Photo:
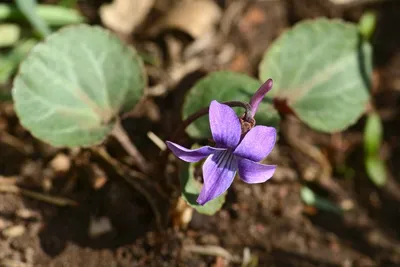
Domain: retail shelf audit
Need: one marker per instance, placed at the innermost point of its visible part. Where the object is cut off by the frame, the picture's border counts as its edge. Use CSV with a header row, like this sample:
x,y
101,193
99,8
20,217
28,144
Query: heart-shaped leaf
x,y
191,189
71,88
225,86
322,69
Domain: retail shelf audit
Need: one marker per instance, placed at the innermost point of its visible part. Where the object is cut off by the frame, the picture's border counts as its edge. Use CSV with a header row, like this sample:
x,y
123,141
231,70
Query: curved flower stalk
x,y
239,147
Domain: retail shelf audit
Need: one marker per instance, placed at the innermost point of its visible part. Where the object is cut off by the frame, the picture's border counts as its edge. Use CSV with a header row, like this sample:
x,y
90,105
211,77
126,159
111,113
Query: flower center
x,y
246,125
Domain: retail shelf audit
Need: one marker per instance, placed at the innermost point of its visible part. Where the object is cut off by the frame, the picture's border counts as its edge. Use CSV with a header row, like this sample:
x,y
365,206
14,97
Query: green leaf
x,y
367,24
10,62
191,189
71,88
322,68
376,170
68,3
28,8
9,34
374,165
59,16
373,133
5,96
53,15
312,199
225,86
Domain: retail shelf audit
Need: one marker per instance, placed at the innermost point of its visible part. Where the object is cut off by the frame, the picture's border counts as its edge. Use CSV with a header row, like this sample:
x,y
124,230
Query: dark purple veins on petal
x,y
218,172
191,155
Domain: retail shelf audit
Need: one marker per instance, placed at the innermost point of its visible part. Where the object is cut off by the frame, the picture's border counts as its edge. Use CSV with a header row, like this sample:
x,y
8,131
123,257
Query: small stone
x,y
98,177
99,226
3,223
61,163
14,231
25,214
29,255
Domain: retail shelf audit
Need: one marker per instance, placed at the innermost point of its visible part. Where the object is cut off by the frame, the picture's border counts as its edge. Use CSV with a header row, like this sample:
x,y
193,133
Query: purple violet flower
x,y
237,149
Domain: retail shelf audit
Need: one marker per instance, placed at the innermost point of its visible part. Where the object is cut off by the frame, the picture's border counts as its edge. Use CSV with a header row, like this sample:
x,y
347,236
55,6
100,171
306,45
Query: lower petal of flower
x,y
192,155
253,172
218,171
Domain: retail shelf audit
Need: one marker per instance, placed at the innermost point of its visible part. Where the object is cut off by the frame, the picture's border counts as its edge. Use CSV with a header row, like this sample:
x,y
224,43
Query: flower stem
x,y
204,111
122,137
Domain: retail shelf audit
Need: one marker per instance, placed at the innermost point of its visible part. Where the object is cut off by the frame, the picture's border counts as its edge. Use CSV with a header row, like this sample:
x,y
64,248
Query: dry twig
x,y
58,201
120,134
213,251
18,144
157,141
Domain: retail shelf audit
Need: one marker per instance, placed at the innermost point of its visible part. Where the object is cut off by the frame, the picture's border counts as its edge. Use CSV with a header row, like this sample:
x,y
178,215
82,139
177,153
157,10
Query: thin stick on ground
x,y
213,251
58,201
120,134
16,143
157,141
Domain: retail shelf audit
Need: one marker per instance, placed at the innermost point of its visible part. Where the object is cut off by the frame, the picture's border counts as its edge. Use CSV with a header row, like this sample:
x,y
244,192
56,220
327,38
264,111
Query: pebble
x,y
14,231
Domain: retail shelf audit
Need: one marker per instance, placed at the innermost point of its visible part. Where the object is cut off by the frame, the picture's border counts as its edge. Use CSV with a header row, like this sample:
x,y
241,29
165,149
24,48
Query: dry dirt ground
x,y
266,223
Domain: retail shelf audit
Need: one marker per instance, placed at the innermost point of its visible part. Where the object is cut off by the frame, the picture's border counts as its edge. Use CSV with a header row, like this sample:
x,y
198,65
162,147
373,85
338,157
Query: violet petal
x,y
259,95
257,143
225,125
191,155
253,173
218,172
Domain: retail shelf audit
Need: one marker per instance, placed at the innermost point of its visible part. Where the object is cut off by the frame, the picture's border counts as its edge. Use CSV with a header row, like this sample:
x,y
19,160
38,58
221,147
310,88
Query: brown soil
x,y
270,220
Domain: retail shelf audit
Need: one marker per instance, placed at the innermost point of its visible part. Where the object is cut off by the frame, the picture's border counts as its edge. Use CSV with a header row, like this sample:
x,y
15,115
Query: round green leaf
x,y
71,88
191,189
322,68
225,86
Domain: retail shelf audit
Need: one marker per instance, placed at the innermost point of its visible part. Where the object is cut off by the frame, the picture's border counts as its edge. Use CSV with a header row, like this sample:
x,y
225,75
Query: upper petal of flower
x,y
225,125
253,172
192,155
257,143
259,95
218,172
